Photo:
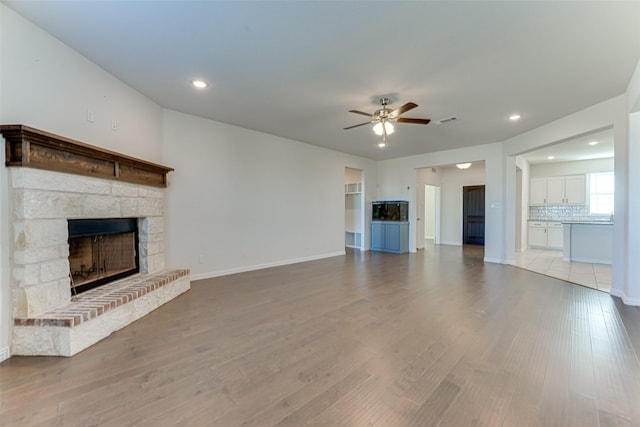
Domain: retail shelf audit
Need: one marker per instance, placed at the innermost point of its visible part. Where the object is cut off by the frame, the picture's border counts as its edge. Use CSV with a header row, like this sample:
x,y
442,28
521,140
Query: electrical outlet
x,y
90,116
201,259
114,124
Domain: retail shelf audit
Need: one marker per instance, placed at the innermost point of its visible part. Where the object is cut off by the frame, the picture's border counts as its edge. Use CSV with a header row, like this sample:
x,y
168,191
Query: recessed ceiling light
x,y
514,117
199,84
550,157
593,143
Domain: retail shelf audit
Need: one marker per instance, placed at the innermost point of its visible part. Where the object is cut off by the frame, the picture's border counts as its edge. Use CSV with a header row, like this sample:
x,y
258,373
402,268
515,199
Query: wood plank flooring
x,y
436,338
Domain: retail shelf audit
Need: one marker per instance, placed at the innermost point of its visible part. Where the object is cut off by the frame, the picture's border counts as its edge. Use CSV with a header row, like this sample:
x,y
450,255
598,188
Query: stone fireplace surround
x,y
46,319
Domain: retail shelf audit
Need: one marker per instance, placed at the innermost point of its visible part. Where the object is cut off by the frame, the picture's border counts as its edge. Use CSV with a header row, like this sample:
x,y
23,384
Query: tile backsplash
x,y
564,213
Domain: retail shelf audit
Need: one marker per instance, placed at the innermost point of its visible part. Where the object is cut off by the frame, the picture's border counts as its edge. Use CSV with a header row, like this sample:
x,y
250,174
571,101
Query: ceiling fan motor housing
x,y
386,115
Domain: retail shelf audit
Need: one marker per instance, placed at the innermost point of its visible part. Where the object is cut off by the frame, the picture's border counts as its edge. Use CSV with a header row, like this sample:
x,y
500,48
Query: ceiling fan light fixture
x,y
463,165
382,144
388,128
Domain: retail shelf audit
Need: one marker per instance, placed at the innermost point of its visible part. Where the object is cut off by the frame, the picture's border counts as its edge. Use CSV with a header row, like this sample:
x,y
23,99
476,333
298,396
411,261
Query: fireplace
x,y
92,215
101,251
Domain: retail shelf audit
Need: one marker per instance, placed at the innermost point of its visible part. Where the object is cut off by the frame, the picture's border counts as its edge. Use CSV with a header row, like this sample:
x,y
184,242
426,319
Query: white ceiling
x,y
577,148
295,68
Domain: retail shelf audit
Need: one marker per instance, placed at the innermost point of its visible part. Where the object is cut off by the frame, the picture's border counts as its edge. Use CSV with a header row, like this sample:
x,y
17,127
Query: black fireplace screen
x,y
101,251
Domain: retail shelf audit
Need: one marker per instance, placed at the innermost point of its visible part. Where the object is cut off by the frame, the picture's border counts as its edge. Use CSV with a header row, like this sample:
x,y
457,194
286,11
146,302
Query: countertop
x,y
573,222
588,222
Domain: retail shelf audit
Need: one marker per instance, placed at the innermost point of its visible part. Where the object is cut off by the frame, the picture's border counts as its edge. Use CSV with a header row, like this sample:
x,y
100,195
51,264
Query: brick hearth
x,y
96,302
95,314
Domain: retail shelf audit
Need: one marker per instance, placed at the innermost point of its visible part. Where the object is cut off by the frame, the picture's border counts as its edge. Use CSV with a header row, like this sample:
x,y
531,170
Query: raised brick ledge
x,y
91,304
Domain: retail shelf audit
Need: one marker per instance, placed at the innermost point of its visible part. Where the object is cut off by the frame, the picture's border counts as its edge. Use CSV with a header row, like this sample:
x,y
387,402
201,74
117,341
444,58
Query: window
x,y
601,190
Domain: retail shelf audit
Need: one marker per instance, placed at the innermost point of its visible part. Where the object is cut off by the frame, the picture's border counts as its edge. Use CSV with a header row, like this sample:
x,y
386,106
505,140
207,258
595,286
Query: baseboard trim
x,y
631,301
254,267
616,293
493,260
4,354
625,299
450,243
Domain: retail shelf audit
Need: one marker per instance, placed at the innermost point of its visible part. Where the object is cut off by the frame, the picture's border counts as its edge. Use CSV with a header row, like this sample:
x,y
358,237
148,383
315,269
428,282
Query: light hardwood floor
x,y
367,339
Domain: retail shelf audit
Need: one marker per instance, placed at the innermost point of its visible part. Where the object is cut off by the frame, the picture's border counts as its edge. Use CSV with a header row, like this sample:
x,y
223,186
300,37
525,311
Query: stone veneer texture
x,y
46,320
42,201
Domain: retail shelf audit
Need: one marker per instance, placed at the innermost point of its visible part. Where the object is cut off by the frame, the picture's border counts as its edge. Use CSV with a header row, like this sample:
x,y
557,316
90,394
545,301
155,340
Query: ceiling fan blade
x,y
360,112
416,121
355,126
406,107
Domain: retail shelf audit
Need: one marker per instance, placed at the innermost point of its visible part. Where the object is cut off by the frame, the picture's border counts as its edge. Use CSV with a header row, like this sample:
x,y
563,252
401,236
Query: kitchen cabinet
x,y
547,235
537,234
575,189
554,235
558,190
538,191
555,190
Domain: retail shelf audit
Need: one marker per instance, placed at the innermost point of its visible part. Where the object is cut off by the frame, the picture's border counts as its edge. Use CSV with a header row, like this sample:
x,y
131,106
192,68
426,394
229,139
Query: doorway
x,y
473,215
431,214
353,208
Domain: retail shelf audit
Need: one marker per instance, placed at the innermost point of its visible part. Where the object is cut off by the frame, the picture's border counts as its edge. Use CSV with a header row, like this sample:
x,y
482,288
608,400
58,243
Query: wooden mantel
x,y
34,148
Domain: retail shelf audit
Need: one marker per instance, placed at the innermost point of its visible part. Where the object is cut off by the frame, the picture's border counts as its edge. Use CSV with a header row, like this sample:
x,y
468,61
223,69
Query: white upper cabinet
x,y
538,191
575,190
555,190
558,190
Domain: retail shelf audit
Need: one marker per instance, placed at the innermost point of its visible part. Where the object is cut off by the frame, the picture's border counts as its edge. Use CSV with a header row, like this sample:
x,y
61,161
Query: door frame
x,y
465,190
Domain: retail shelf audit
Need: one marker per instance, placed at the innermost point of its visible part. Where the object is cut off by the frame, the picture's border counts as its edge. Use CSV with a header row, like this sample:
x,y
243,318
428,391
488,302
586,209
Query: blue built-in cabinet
x,y
390,236
390,226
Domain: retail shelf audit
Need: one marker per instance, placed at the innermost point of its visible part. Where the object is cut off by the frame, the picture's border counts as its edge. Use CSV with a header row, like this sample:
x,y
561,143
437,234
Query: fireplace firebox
x,y
101,251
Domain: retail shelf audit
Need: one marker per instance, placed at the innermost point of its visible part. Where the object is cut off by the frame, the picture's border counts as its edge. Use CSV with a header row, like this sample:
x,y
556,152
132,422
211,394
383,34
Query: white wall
x,y
397,178
523,204
576,167
229,204
245,200
453,180
241,199
627,279
46,85
600,116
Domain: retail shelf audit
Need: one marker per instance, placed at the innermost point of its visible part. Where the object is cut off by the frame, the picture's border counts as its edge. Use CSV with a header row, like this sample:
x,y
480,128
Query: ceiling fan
x,y
384,117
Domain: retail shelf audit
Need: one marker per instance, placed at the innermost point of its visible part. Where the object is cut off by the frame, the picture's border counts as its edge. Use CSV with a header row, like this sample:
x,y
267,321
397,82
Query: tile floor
x,y
550,263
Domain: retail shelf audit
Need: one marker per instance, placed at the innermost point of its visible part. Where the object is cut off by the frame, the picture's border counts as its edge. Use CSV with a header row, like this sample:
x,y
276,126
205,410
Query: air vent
x,y
446,120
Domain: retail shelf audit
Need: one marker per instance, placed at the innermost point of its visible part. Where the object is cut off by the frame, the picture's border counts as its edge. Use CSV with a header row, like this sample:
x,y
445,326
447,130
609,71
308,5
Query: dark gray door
x,y
473,215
